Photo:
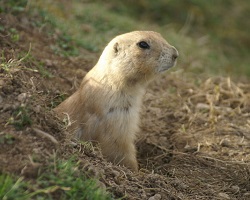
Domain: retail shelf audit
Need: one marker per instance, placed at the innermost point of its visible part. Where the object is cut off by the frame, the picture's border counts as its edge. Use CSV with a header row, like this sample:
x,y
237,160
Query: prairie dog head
x,y
137,56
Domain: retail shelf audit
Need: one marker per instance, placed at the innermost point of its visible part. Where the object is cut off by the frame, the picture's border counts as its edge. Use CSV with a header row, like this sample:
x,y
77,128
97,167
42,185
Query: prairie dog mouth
x,y
168,60
163,68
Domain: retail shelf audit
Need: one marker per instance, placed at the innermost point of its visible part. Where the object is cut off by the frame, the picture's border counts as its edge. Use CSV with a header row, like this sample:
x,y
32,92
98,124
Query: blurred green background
x,y
225,24
211,36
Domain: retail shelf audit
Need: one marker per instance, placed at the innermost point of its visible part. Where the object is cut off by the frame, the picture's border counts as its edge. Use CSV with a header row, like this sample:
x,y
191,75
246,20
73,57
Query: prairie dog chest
x,y
123,111
123,105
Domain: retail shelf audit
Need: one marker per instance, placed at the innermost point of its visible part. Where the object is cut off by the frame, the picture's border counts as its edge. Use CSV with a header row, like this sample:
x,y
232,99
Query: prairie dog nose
x,y
175,54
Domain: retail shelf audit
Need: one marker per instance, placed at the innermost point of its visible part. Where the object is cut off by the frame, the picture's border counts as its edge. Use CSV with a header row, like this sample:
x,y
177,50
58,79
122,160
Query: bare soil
x,y
195,132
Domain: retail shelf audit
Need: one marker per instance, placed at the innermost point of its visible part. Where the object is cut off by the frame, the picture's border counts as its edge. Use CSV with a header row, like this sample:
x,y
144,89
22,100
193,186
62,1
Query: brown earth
x,y
195,133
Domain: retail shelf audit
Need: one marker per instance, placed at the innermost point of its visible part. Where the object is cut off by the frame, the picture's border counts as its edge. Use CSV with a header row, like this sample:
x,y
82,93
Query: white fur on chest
x,y
120,118
124,120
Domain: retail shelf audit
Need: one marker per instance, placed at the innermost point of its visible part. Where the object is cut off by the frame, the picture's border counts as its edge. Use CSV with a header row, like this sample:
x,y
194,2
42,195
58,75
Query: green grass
x,y
196,28
14,35
70,182
43,71
12,188
92,30
62,180
57,100
13,6
6,138
85,28
21,118
13,63
208,42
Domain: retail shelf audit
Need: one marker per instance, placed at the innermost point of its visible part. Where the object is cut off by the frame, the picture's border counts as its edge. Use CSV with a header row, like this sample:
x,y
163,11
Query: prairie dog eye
x,y
143,45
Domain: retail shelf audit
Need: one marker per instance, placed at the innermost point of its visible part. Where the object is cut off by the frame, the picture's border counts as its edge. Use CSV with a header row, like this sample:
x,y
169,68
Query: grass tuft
x,y
21,118
61,180
12,64
6,138
12,188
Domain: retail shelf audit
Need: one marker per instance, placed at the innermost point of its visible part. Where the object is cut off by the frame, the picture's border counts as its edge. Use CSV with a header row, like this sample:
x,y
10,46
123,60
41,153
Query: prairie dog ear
x,y
116,48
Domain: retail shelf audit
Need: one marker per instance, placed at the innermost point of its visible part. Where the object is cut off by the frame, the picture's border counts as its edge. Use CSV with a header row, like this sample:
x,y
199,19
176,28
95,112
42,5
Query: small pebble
x,y
179,184
115,173
235,188
49,63
223,195
191,91
155,197
225,143
22,97
7,107
247,194
37,109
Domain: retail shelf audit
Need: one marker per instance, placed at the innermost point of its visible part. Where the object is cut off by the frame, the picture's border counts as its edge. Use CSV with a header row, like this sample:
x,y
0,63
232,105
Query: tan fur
x,y
106,106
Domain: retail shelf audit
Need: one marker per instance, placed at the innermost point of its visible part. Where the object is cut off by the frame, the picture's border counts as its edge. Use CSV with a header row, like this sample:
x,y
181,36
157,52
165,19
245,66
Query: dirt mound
x,y
194,141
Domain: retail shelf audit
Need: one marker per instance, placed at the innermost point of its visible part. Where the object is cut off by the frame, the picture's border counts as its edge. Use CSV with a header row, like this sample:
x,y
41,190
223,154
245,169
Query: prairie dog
x,y
106,106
